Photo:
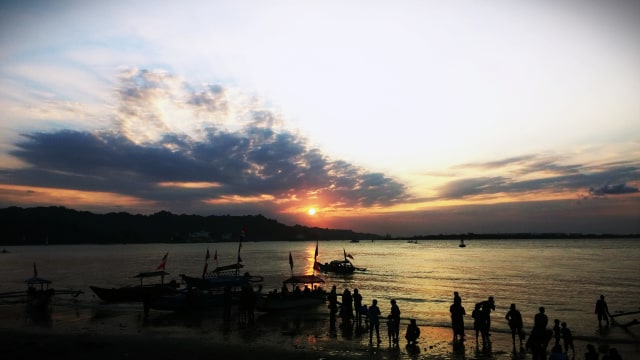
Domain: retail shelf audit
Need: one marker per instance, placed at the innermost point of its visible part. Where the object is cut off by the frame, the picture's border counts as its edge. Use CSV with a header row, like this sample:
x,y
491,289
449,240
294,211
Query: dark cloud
x,y
618,189
254,160
550,176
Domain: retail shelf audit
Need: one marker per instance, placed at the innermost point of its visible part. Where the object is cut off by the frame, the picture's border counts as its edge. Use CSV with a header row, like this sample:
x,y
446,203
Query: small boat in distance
x,y
462,243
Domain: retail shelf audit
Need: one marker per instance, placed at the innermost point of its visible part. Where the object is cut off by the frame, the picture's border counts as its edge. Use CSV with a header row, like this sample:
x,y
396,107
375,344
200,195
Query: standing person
x,y
395,317
457,319
515,324
374,321
539,340
346,309
556,331
567,336
487,306
602,310
479,323
333,307
357,304
456,297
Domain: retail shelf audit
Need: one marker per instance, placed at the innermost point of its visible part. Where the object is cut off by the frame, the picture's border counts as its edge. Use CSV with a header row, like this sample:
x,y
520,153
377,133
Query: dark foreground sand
x,y
87,333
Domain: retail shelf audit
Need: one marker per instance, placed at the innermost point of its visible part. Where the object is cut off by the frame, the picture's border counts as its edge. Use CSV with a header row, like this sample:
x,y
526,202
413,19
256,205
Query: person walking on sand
x,y
395,321
514,318
602,310
457,319
413,333
567,336
479,323
374,321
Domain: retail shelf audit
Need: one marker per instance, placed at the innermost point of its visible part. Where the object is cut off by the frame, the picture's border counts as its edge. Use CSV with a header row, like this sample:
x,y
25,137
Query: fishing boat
x,y
462,244
298,292
341,266
137,293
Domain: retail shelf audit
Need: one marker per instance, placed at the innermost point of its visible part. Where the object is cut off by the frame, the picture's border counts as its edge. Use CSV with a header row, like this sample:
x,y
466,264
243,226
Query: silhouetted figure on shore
x,y
413,333
567,338
487,306
514,317
479,323
346,309
357,305
394,325
332,298
556,331
456,297
457,319
540,335
374,321
602,310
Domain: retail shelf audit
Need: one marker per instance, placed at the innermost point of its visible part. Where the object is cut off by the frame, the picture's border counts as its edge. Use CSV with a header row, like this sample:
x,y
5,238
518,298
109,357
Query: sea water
x,y
564,276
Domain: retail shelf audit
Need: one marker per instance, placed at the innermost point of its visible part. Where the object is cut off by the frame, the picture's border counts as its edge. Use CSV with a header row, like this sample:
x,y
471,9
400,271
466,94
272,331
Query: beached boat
x,y
298,292
137,293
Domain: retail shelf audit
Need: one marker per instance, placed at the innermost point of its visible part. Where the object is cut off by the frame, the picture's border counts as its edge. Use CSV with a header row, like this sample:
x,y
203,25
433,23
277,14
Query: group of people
x,y
540,336
371,313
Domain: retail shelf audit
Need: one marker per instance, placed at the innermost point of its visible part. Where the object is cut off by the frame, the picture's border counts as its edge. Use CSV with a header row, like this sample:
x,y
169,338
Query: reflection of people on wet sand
x,y
374,321
515,324
602,310
557,354
591,353
413,333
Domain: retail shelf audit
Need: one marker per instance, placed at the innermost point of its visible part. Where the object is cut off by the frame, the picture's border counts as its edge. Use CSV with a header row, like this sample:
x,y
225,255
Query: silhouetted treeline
x,y
59,225
517,236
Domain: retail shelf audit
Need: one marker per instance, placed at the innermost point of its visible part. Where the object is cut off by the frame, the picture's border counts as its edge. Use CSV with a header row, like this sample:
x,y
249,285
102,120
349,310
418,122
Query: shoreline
x,y
122,333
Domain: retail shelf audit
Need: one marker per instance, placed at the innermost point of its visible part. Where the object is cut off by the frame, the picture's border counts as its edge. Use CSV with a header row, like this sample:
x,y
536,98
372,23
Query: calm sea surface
x,y
565,276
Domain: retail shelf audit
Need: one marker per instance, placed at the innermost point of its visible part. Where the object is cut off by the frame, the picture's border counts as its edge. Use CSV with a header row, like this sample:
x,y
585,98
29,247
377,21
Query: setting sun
x,y
312,211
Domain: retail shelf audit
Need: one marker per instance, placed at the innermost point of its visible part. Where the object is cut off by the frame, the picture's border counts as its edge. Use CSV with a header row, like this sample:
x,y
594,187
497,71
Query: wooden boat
x,y
137,293
310,295
221,276
38,294
341,267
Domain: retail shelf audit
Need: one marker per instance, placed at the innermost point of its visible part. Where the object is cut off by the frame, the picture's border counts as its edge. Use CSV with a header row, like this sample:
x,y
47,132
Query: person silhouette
x,y
514,318
591,353
479,324
556,331
357,305
395,321
457,319
612,355
539,339
567,337
373,314
487,306
602,310
557,354
413,333
346,309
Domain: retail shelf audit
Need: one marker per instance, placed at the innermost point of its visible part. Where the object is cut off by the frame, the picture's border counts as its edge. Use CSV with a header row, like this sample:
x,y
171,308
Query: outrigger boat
x,y
137,293
342,267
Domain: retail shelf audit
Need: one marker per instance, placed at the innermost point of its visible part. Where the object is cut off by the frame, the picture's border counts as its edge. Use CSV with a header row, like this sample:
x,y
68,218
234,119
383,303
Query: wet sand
x,y
122,333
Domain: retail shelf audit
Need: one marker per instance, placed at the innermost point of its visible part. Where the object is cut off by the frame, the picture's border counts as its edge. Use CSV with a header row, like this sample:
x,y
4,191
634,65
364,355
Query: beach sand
x,y
116,332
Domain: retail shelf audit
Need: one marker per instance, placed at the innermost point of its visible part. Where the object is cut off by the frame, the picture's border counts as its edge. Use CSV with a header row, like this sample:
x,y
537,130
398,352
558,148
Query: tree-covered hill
x,y
59,225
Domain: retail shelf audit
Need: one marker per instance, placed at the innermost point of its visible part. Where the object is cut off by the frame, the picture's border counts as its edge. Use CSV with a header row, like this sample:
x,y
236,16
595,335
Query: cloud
x,y
618,189
533,173
148,148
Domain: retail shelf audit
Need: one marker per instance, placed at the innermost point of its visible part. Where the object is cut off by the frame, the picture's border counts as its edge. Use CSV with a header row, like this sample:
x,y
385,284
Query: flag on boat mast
x,y
35,270
291,263
346,255
316,266
163,265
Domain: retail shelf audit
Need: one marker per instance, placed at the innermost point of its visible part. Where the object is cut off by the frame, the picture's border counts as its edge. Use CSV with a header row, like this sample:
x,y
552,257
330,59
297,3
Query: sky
x,y
388,117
